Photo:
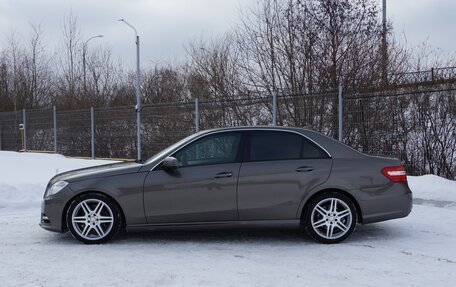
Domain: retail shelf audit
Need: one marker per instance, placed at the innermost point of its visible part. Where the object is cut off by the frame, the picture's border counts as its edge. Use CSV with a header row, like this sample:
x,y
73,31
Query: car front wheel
x,y
93,218
329,218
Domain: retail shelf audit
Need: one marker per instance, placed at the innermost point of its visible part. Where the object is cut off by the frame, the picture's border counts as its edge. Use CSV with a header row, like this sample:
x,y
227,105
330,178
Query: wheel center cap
x,y
93,219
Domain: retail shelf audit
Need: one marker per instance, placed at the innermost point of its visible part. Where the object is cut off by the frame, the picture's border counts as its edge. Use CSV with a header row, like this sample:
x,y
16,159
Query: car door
x,y
202,188
279,169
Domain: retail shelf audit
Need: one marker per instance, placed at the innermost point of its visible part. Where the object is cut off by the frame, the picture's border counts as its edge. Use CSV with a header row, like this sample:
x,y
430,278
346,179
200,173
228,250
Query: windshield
x,y
171,147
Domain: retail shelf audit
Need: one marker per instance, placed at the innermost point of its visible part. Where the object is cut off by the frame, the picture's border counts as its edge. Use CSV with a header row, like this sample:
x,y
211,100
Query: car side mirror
x,y
170,163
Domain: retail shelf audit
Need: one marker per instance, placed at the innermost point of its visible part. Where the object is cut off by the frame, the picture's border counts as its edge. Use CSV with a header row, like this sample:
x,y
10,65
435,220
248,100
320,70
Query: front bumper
x,y
52,214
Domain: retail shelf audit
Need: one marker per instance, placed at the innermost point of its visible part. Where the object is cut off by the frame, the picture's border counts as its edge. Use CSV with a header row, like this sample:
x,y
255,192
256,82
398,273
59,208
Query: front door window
x,y
212,149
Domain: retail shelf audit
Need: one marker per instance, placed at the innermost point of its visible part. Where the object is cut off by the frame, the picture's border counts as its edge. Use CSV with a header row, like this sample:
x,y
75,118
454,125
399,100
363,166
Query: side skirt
x,y
292,223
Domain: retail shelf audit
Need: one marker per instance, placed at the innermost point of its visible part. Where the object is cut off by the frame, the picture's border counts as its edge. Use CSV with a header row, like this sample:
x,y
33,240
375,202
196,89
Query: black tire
x,y
92,226
334,226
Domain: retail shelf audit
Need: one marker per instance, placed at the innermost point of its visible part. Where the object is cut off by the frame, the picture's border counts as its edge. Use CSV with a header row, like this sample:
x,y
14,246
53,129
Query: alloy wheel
x,y
331,218
92,219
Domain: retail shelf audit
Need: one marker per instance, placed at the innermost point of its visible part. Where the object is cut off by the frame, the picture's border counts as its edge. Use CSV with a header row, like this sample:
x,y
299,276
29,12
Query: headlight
x,y
56,187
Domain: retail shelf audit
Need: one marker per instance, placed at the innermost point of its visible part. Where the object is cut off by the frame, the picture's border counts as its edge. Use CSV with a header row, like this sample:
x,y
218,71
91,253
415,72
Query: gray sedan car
x,y
230,177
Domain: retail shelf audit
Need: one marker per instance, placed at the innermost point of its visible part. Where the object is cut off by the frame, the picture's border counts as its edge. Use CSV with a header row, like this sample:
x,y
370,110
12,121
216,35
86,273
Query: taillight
x,y
395,173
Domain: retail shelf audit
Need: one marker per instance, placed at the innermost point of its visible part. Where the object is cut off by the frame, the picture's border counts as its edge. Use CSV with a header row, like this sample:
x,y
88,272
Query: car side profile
x,y
230,177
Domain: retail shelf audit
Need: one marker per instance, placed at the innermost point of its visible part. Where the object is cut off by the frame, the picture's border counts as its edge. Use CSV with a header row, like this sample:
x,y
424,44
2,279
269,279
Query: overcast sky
x,y
166,25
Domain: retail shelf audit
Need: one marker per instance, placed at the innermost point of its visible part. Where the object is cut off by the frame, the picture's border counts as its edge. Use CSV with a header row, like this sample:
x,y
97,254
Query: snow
x,y
24,176
418,250
431,187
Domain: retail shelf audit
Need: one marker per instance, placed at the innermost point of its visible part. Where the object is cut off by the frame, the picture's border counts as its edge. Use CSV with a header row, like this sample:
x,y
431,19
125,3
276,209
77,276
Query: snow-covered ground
x,y
419,250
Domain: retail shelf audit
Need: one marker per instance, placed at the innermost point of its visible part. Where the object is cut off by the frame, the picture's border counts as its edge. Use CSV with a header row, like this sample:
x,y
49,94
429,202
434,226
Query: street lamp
x,y
84,50
138,92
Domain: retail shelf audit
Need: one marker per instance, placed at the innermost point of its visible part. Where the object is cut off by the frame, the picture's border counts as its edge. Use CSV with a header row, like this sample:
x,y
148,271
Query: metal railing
x,y
432,76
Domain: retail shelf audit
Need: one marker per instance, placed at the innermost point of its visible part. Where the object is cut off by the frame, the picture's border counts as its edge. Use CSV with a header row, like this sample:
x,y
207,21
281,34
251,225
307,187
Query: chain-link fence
x,y
10,135
415,125
419,127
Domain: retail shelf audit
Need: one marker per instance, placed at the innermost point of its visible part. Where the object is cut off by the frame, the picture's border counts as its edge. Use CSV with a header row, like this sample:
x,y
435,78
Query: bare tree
x,y
69,63
38,68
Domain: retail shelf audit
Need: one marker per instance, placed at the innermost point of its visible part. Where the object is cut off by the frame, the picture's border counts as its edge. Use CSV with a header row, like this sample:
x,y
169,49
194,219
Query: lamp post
x,y
138,91
84,50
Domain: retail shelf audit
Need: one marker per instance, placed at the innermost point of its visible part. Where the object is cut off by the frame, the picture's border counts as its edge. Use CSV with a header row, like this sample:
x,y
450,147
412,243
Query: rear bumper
x,y
396,203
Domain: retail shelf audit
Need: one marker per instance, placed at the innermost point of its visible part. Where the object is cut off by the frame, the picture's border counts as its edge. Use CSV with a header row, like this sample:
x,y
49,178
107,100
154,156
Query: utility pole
x,y
384,48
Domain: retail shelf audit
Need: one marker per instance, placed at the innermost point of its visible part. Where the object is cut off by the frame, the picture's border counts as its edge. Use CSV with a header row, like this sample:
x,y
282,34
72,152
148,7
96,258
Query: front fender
x,y
126,190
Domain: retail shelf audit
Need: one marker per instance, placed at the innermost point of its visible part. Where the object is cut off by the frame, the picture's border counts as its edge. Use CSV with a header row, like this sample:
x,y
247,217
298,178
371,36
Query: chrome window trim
x,y
241,130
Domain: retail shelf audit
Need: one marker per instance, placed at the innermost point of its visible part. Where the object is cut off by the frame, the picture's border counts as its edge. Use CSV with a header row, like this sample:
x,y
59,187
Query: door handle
x,y
304,169
224,174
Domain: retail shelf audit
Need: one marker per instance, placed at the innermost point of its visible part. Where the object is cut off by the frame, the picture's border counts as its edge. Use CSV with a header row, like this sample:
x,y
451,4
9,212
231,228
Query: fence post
x,y
55,128
197,116
92,131
24,122
341,134
274,108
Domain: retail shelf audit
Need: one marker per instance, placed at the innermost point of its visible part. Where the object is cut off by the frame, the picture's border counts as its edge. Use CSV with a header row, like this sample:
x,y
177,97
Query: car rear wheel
x,y
93,218
329,218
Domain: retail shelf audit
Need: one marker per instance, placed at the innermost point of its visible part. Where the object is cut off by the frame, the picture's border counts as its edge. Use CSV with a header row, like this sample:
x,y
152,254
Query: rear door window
x,y
311,151
278,145
272,145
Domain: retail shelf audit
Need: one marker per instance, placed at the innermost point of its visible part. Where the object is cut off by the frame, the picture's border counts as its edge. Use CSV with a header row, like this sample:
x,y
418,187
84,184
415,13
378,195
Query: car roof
x,y
279,128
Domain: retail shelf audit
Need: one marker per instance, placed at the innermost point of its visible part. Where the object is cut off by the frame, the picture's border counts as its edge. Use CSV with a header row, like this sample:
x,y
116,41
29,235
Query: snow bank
x,y
432,187
24,176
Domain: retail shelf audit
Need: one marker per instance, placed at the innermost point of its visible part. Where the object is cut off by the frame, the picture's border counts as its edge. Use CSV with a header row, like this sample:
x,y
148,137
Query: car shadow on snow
x,y
363,234
231,235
